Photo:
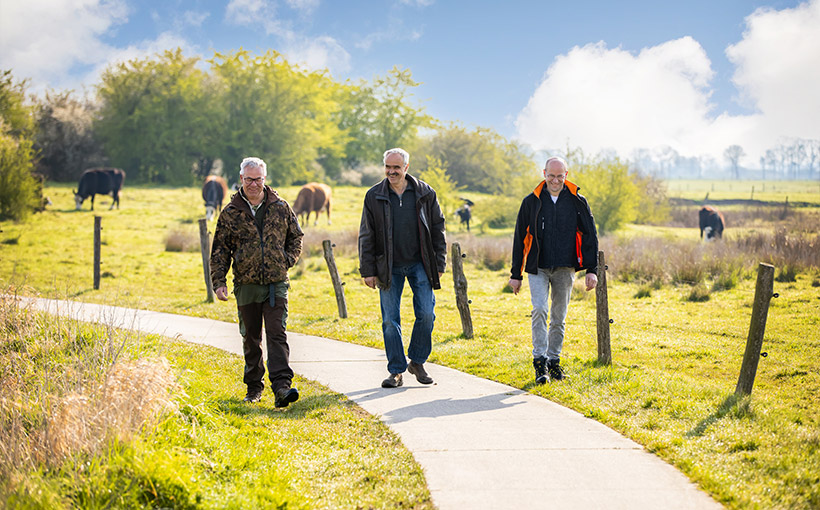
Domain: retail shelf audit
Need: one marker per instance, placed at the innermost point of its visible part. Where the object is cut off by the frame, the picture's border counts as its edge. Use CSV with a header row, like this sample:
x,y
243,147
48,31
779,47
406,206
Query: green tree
x,y
446,190
482,160
65,140
154,121
611,191
274,110
18,196
380,115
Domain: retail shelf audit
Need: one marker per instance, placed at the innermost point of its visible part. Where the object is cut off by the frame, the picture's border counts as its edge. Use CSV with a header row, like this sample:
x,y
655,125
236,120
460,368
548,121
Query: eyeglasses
x,y
251,180
551,177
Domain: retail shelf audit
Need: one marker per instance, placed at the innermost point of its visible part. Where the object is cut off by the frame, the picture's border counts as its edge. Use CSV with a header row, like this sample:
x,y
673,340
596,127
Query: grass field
x,y
675,360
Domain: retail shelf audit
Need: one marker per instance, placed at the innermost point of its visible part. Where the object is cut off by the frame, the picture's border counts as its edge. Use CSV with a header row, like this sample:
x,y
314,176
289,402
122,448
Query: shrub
x,y
787,274
181,241
726,281
497,212
698,294
644,291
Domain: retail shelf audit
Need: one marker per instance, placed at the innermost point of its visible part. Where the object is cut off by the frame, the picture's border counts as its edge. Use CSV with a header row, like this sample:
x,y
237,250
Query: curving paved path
x,y
483,445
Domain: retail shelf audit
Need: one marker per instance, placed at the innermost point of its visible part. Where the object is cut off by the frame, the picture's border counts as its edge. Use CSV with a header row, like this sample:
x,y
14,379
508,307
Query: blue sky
x,y
697,75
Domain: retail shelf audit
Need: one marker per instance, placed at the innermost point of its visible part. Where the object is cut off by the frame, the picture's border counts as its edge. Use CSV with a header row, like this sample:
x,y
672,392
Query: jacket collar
x,y
241,202
383,190
572,187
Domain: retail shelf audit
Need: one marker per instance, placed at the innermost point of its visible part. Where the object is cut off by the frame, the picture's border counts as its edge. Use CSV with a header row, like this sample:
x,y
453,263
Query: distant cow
x,y
99,181
313,197
465,215
214,192
711,223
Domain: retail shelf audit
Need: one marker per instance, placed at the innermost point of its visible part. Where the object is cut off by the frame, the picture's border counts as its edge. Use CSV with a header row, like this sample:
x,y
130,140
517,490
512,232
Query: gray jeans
x,y
544,342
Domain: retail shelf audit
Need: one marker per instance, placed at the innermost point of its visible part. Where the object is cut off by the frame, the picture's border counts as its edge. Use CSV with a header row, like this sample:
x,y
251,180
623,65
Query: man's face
x,y
555,174
253,182
395,169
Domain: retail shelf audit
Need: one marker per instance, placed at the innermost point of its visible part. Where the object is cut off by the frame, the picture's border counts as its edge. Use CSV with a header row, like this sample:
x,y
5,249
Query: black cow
x,y
711,222
465,215
214,191
99,181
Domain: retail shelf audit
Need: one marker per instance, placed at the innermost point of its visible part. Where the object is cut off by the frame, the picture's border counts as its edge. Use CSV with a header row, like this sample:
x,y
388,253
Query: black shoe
x,y
253,396
285,396
417,369
555,370
393,381
540,365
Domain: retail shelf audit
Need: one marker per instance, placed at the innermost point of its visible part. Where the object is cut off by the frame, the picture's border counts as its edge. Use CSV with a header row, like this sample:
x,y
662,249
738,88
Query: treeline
x,y
173,119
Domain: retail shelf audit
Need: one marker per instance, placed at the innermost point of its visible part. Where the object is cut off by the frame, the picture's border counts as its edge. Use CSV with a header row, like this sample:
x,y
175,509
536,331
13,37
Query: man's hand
x,y
371,281
591,281
222,293
516,285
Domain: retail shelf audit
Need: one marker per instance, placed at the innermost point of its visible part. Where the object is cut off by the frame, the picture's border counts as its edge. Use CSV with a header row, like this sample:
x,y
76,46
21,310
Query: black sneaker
x,y
555,370
417,369
393,381
253,396
285,396
540,365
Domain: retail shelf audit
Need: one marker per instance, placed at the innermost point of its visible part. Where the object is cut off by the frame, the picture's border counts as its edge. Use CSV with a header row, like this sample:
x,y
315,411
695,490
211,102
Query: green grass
x,y
768,191
675,361
322,452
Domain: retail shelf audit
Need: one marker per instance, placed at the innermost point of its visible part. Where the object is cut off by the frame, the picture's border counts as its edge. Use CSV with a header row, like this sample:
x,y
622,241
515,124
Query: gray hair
x,y
404,154
253,163
558,159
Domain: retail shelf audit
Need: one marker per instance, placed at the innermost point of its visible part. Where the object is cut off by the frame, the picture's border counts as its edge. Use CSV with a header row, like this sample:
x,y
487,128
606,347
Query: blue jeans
x,y
424,302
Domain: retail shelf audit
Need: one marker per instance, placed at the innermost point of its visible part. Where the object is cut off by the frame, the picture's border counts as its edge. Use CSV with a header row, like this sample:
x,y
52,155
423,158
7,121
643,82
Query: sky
x,y
696,76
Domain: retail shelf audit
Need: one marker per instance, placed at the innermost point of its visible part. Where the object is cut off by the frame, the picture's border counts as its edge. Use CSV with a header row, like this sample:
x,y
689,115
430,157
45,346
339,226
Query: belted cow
x,y
99,181
711,223
214,192
313,197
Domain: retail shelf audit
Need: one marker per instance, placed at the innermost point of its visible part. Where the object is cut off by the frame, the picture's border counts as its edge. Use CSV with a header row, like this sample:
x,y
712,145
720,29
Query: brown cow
x,y
313,197
711,223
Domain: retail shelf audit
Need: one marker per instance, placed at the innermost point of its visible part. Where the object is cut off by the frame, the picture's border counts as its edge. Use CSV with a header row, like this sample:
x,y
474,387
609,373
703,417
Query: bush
x,y
497,212
787,274
698,294
181,241
18,197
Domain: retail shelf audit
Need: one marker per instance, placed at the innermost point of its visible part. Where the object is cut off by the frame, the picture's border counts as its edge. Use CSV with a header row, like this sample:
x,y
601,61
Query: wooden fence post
x,y
338,284
205,248
460,284
603,320
97,229
760,310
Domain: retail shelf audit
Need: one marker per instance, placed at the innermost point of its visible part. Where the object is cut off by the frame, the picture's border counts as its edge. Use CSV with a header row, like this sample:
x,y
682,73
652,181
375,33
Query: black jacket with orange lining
x,y
525,252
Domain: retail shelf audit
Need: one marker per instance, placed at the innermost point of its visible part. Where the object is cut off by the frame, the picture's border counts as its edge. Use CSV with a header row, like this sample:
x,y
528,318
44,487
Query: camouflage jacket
x,y
261,249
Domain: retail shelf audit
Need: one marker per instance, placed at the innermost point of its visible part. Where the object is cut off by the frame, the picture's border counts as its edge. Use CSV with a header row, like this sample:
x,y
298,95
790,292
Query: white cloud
x,y
778,72
306,6
45,39
318,53
596,98
256,13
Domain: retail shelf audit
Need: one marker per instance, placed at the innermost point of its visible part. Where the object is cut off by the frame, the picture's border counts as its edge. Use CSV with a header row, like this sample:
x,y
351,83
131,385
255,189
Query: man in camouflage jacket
x,y
259,235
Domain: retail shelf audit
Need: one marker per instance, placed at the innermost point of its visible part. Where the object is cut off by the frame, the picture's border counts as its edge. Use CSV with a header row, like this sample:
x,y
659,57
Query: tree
x,y
380,116
154,119
65,140
610,191
481,160
18,196
446,190
269,108
733,153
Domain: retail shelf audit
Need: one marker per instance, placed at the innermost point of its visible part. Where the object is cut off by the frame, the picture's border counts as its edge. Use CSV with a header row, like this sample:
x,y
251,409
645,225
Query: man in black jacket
x,y
554,237
401,236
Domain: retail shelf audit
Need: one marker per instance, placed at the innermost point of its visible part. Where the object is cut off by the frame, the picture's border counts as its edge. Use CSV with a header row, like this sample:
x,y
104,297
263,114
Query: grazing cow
x,y
711,223
99,181
313,197
214,191
465,215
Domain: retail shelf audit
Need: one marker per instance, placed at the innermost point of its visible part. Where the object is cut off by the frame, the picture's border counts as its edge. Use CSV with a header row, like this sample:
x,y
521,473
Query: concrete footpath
x,y
483,445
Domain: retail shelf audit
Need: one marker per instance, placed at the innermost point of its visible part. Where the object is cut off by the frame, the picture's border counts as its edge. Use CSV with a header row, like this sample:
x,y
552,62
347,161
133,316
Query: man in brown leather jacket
x,y
258,233
401,237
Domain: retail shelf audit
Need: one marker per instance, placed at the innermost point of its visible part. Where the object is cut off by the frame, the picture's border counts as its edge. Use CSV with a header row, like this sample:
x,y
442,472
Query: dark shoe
x,y
393,381
253,396
555,370
285,396
417,369
540,365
